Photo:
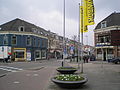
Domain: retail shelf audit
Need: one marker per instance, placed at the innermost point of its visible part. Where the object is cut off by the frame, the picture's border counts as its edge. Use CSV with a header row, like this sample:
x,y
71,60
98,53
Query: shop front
x,y
104,53
19,54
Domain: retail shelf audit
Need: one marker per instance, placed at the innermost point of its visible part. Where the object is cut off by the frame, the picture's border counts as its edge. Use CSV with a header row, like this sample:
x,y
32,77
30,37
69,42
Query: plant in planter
x,y
66,70
69,80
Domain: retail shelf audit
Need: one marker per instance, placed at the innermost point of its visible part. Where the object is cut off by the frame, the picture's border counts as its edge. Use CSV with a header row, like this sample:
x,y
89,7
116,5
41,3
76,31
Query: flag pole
x,y
81,38
64,48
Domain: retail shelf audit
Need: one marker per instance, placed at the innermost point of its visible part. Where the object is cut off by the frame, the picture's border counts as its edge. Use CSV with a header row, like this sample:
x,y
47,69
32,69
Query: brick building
x,y
107,37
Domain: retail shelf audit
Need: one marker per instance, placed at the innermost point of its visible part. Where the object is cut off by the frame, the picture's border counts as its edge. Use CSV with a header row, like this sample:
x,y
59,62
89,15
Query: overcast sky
x,y
48,14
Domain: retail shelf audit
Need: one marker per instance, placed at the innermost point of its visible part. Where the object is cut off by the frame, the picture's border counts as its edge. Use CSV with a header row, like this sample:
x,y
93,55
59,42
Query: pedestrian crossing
x,y
10,69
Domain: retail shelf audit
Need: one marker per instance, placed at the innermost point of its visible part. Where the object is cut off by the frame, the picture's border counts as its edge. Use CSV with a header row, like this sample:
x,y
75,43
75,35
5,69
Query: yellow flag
x,y
88,12
83,26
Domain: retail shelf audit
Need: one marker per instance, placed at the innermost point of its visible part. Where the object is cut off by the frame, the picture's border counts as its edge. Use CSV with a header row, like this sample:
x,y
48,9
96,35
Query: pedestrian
x,y
84,58
6,60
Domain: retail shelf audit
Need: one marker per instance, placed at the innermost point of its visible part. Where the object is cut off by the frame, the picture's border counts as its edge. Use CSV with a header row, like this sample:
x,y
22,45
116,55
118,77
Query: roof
x,y
16,23
111,20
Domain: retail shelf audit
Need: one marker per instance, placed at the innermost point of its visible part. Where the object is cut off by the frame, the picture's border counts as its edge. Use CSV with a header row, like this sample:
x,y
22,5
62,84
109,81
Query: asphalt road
x,y
27,75
36,76
9,67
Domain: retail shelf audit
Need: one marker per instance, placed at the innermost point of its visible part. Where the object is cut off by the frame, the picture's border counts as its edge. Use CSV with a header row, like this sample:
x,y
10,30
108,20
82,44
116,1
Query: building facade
x,y
23,41
107,37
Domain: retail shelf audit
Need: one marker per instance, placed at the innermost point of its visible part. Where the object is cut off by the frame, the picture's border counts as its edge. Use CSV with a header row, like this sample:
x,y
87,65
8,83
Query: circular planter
x,y
66,70
69,84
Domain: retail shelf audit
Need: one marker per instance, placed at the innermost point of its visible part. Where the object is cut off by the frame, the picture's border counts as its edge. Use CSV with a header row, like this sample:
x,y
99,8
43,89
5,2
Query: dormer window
x,y
41,33
103,24
21,29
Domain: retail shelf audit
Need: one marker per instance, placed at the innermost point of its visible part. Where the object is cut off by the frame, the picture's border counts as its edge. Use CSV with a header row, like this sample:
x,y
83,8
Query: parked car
x,y
114,60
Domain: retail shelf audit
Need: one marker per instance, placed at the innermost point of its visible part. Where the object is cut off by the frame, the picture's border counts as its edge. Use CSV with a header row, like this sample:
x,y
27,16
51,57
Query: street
x,y
36,75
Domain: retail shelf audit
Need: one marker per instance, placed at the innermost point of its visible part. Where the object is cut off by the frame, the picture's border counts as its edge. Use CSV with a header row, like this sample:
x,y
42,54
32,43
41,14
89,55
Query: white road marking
x,y
16,82
10,69
35,75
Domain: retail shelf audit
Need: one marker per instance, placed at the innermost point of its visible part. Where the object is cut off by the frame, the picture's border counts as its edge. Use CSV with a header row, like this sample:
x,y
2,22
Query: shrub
x,y
69,77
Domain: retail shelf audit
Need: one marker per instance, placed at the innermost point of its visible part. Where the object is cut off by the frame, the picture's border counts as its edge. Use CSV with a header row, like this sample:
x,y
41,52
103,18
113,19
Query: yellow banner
x,y
83,26
88,12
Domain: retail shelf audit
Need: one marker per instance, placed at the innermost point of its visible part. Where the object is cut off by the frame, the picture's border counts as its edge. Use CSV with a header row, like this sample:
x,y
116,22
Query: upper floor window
x,y
38,42
21,29
34,42
5,40
28,41
103,24
14,40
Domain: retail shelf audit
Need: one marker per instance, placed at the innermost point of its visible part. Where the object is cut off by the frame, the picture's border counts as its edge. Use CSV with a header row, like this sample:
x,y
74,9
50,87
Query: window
x,y
37,54
34,42
28,41
43,54
5,40
19,54
44,42
14,40
21,28
38,42
107,39
103,24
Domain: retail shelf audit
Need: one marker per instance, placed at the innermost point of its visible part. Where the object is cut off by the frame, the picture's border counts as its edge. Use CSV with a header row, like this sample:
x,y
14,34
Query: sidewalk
x,y
101,76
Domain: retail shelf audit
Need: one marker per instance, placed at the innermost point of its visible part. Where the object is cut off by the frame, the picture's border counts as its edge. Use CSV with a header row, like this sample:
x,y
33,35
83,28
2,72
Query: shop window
x,y
99,51
19,54
28,41
110,51
5,40
37,54
43,53
14,40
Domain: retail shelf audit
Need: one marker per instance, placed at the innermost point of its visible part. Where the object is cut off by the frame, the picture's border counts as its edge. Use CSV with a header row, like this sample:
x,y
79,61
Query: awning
x,y
105,47
52,51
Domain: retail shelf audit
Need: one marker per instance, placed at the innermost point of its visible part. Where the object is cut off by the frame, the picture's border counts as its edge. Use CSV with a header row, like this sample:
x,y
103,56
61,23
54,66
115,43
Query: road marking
x,y
16,82
35,75
10,69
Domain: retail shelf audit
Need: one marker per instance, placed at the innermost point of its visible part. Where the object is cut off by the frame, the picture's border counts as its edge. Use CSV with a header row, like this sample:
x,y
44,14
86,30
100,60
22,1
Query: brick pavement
x,y
101,76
